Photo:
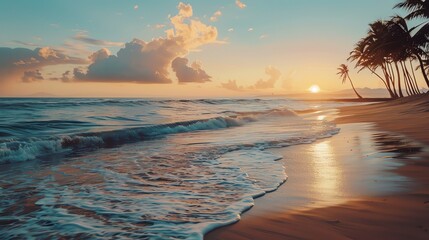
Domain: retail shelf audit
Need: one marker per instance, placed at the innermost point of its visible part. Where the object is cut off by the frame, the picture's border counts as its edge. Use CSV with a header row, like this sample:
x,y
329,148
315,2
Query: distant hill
x,y
365,92
343,94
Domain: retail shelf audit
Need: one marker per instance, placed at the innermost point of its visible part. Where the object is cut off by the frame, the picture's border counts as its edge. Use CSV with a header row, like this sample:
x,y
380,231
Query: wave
x,y
17,150
23,149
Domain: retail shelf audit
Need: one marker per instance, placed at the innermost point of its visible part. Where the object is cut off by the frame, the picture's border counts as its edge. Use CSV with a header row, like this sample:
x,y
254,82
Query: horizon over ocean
x,y
152,168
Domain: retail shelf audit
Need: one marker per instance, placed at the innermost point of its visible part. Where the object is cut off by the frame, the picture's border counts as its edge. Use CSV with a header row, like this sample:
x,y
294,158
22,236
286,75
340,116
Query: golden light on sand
x,y
321,117
314,89
327,173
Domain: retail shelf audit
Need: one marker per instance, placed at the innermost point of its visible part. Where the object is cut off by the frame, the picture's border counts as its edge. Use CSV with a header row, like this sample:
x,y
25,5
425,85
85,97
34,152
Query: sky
x,y
168,48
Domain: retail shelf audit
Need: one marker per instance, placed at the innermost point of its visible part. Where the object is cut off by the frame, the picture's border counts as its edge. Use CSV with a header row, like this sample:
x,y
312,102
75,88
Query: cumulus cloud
x,y
149,62
274,75
83,37
32,76
15,61
186,74
232,85
188,32
100,55
240,4
138,61
215,16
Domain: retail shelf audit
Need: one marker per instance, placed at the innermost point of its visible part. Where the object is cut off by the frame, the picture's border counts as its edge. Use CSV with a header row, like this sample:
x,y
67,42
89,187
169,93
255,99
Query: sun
x,y
314,89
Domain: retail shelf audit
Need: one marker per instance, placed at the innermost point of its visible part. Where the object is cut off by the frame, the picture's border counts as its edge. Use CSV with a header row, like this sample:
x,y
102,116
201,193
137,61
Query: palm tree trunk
x,y
410,85
388,80
414,77
407,85
399,79
351,82
415,89
408,82
384,82
422,68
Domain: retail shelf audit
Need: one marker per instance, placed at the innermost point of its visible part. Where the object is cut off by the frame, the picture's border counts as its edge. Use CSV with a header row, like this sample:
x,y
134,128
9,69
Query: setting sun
x,y
314,89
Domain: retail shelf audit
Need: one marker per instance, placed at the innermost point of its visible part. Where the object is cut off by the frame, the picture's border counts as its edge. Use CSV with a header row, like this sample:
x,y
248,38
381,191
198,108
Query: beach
x,y
387,198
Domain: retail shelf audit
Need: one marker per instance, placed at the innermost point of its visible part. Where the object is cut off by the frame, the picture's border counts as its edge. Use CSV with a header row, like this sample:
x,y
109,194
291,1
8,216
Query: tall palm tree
x,y
343,71
409,45
419,9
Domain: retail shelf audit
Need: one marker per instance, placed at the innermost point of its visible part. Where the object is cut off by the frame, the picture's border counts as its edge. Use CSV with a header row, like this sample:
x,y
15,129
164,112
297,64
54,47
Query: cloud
x,y
159,26
232,85
186,74
231,30
100,55
149,62
15,61
32,76
193,34
240,4
66,76
274,75
263,36
136,7
28,44
138,61
250,29
82,37
215,16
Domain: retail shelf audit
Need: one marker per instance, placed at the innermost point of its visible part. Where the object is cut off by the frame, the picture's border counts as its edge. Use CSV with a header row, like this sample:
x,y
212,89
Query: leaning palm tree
x,y
343,71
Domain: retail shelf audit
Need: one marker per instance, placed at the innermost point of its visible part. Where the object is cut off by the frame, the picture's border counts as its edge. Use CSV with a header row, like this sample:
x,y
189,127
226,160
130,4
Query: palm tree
x,y
408,45
359,56
417,8
343,71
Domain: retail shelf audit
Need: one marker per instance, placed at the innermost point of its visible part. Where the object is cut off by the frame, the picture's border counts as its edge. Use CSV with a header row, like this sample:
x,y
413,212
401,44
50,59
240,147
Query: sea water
x,y
141,168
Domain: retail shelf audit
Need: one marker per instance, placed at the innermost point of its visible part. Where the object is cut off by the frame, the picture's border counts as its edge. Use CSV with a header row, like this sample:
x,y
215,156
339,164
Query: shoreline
x,y
405,213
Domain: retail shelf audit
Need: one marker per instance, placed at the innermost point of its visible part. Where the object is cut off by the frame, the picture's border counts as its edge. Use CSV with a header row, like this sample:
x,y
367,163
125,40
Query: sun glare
x,y
314,89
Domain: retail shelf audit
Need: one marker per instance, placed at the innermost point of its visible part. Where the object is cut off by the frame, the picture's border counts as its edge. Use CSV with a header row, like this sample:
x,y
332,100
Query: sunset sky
x,y
167,48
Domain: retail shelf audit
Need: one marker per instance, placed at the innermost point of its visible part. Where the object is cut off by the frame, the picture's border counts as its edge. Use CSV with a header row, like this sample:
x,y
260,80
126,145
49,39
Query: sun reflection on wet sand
x,y
326,171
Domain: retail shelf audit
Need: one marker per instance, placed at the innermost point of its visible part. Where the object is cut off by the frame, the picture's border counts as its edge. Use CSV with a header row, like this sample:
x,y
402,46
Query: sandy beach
x,y
372,181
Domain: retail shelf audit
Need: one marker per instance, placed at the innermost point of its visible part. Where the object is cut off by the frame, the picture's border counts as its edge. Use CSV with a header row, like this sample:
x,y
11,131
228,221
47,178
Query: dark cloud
x,y
186,74
15,61
32,76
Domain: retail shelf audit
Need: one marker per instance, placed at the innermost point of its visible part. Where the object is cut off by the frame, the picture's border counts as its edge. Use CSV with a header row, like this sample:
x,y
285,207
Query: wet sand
x,y
370,181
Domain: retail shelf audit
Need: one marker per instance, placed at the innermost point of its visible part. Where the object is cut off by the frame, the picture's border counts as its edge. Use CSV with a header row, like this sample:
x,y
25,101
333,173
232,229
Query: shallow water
x,y
141,168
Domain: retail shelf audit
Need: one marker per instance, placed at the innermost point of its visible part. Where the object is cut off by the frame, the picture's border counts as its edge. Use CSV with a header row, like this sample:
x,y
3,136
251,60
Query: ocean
x,y
142,168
